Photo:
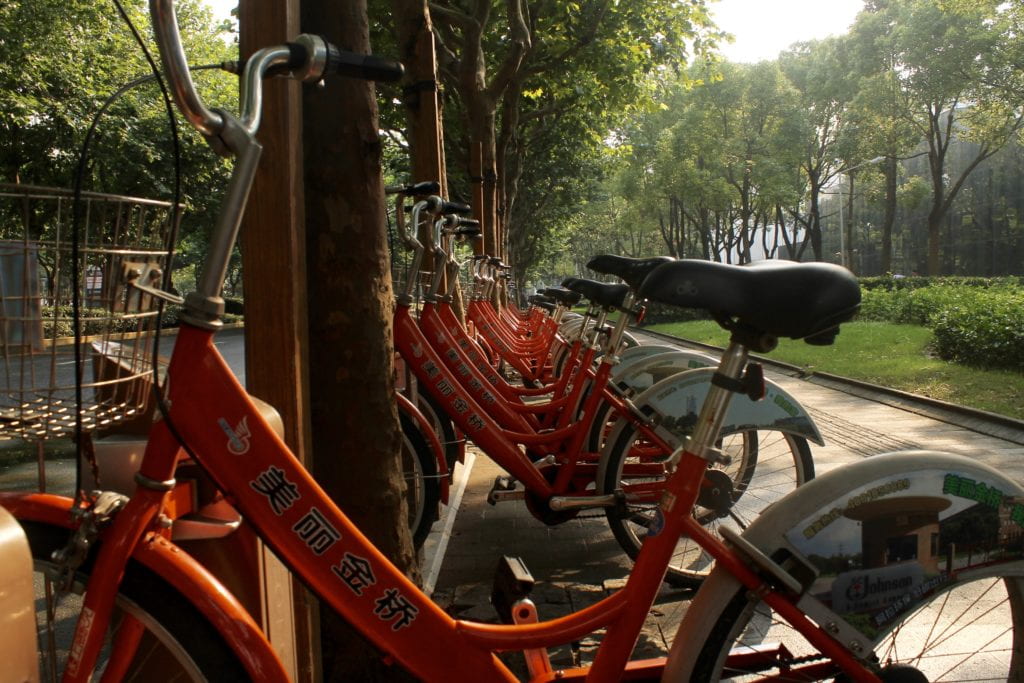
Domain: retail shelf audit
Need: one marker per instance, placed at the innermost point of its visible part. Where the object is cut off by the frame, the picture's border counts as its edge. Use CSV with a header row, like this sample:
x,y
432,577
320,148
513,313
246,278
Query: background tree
x,y
818,70
942,53
59,61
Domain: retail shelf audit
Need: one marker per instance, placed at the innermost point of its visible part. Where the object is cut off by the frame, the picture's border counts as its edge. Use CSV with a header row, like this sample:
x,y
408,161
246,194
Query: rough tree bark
x,y
354,424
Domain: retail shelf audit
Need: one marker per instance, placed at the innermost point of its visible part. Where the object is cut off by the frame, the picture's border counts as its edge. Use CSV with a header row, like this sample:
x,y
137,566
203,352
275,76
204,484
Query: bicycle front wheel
x,y
155,633
765,466
972,632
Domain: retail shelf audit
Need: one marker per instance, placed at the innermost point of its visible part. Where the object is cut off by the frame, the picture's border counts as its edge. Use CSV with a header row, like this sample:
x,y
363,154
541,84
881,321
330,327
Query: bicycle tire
x,y
938,639
765,466
443,427
419,472
178,642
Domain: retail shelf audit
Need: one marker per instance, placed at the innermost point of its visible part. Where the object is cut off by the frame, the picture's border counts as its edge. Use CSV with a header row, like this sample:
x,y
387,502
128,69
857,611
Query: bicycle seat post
x,y
712,414
611,354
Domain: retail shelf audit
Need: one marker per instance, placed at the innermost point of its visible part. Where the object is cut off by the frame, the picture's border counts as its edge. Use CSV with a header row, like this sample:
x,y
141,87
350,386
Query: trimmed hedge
x,y
986,329
98,321
891,282
976,321
662,313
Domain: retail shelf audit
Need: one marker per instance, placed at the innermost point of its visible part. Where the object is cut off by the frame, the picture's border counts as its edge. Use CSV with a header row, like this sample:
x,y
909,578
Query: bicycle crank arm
x,y
576,502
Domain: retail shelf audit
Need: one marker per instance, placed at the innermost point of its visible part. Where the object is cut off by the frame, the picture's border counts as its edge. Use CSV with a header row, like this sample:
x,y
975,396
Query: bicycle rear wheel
x,y
766,465
443,427
156,634
422,488
970,632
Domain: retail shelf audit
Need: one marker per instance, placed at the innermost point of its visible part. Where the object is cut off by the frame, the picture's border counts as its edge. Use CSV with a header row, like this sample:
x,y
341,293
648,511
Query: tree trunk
x,y
814,221
934,238
354,424
848,226
891,168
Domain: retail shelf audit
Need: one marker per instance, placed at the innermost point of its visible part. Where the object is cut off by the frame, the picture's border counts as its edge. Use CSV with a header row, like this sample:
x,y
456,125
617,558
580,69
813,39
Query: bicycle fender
x,y
674,402
570,329
639,372
642,351
185,574
870,541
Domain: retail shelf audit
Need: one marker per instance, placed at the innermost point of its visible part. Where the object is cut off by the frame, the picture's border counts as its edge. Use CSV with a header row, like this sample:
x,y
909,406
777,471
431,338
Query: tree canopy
x,y
61,61
884,149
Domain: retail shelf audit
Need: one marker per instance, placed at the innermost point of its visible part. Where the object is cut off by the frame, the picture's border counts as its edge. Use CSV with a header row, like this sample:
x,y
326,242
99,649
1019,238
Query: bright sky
x,y
764,28
222,8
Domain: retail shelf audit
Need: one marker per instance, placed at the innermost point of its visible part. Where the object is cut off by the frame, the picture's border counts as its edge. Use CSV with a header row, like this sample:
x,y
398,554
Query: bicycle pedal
x,y
512,583
504,488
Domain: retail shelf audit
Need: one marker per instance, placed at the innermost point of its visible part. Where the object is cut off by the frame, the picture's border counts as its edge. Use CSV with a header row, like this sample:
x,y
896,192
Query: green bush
x,y
891,282
57,322
234,305
912,306
975,321
95,321
662,313
986,330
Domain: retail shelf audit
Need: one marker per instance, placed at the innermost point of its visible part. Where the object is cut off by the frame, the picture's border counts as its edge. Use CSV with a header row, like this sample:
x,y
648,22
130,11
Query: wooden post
x,y
273,249
427,149
476,174
423,100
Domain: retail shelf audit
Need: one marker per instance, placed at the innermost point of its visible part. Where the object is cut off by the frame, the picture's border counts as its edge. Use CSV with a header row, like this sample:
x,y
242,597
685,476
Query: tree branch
x,y
520,46
452,17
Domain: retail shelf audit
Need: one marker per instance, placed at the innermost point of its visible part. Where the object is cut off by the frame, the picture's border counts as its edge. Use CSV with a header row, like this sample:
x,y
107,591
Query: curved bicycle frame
x,y
229,438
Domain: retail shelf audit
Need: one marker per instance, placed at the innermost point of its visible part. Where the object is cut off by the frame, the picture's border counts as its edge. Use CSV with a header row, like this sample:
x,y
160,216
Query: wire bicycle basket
x,y
123,241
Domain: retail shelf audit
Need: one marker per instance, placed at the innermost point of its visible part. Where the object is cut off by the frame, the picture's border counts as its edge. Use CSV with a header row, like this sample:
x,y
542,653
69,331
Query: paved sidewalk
x,y
578,562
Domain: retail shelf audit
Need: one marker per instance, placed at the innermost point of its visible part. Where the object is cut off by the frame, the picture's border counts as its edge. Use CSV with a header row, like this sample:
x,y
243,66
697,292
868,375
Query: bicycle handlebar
x,y
172,54
308,58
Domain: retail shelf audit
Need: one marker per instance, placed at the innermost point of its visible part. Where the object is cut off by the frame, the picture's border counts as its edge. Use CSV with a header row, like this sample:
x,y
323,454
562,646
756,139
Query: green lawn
x,y
895,356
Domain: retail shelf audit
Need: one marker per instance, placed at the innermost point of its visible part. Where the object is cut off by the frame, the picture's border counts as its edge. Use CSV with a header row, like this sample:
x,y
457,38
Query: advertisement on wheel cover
x,y
887,546
678,399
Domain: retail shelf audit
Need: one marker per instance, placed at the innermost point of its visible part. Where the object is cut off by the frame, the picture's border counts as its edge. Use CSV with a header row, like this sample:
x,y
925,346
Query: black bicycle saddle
x,y
600,293
632,271
781,298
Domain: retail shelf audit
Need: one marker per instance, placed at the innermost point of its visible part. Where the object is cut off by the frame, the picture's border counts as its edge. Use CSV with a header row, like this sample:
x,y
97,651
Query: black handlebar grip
x,y
426,187
367,67
456,208
469,222
469,230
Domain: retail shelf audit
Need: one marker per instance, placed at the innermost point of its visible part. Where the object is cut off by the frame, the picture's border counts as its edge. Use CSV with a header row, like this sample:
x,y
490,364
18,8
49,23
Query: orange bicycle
x,y
819,562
